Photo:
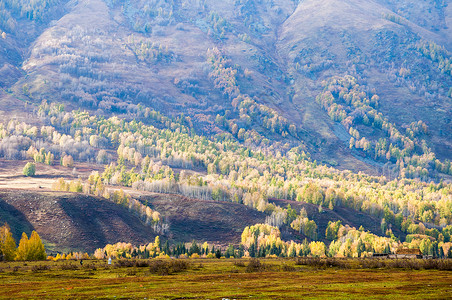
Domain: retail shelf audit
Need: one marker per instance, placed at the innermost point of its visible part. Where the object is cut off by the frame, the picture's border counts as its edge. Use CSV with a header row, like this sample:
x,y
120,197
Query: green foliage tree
x,y
332,230
29,169
194,248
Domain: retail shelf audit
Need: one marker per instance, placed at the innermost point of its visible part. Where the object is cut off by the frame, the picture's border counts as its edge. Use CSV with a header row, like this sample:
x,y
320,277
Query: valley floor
x,y
217,279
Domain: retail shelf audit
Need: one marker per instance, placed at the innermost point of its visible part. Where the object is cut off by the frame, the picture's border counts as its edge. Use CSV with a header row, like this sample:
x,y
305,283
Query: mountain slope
x,y
111,56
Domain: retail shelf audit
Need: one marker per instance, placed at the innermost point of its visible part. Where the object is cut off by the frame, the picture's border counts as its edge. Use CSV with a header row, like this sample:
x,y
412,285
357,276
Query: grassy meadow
x,y
221,278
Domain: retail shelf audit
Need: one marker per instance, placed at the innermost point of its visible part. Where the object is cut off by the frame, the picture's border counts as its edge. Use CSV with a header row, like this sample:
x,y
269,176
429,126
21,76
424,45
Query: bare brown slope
x,y
211,221
71,221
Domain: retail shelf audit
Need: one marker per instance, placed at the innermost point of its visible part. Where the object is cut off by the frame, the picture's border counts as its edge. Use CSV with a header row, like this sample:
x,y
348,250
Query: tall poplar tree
x,y
7,243
31,249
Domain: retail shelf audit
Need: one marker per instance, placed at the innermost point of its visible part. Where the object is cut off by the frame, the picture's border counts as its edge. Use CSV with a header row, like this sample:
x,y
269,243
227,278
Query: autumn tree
x,y
67,161
7,243
31,249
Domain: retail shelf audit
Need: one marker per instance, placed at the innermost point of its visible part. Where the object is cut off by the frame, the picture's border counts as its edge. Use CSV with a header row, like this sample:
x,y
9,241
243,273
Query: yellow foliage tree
x,y
7,243
31,249
22,250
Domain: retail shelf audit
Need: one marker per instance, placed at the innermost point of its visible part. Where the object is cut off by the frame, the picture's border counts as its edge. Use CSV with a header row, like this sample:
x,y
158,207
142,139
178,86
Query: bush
x,y
239,263
288,268
29,169
38,268
162,268
255,265
373,263
129,263
69,267
90,267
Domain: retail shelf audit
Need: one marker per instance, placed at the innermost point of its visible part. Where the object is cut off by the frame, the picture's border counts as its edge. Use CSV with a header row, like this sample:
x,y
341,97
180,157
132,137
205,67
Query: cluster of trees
x,y
29,248
150,52
69,256
303,225
218,25
248,15
347,241
143,16
39,11
41,156
21,141
249,111
347,102
437,54
157,249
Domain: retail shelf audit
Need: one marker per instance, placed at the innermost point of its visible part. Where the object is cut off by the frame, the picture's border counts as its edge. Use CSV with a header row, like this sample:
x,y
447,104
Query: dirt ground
x,y
11,175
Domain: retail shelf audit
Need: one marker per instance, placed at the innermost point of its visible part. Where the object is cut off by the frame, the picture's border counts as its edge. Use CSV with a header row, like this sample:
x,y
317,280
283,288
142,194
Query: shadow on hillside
x,y
15,219
84,216
97,222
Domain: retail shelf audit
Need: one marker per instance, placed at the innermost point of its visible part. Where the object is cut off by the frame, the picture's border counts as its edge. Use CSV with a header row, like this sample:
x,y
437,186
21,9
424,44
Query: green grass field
x,y
216,279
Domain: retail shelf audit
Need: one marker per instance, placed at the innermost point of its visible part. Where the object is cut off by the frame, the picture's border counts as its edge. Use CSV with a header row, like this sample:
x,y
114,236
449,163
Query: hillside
x,y
215,222
275,53
77,222
68,221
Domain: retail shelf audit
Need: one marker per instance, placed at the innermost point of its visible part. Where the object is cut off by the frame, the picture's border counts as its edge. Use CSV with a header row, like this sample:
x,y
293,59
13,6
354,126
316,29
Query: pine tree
x,y
194,248
218,253
252,250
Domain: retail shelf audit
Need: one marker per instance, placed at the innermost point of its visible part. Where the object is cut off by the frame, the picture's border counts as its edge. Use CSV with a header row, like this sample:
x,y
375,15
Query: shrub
x,y
38,268
255,265
239,263
69,267
288,268
162,268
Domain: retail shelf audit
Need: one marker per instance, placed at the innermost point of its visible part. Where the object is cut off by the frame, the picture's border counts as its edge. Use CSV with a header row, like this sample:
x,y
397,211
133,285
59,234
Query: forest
x,y
158,154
